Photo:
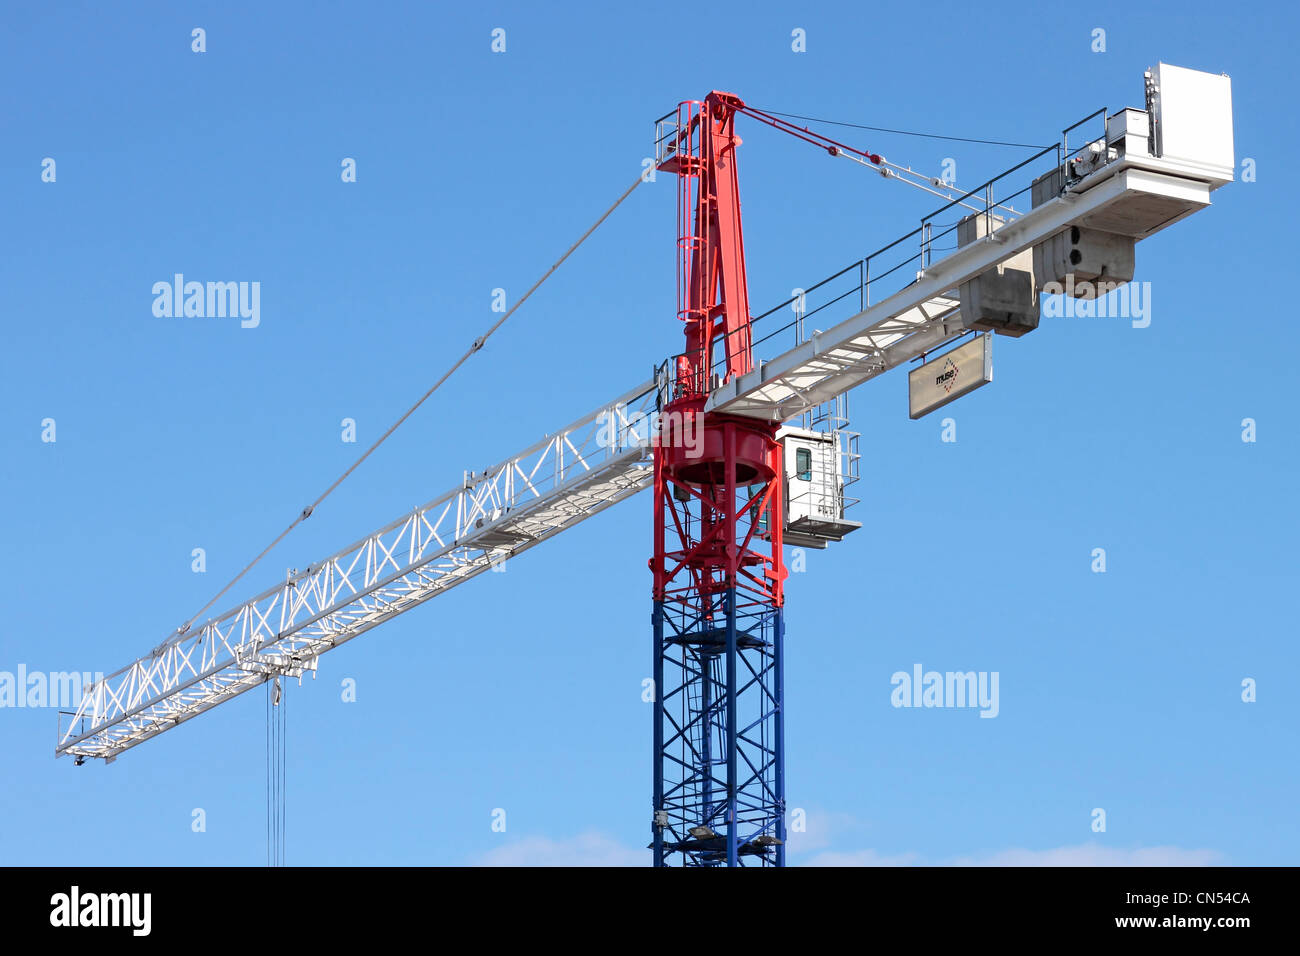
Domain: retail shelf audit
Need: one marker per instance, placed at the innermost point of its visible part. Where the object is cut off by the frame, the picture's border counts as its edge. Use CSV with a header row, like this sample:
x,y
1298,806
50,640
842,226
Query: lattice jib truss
x,y
597,461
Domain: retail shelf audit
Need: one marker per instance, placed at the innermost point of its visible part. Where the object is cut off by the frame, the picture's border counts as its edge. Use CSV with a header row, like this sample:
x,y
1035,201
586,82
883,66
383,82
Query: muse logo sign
x,y
950,376
947,378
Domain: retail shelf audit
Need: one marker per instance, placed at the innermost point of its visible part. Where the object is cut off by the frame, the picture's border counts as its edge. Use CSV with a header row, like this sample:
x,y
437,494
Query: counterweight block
x,y
1005,298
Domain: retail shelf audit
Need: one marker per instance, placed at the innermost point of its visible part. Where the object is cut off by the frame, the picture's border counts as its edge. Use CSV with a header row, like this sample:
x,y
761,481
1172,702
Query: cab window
x,y
803,464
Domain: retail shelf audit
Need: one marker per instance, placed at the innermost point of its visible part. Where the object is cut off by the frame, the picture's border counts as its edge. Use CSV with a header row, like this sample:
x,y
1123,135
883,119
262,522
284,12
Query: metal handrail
x,y
927,238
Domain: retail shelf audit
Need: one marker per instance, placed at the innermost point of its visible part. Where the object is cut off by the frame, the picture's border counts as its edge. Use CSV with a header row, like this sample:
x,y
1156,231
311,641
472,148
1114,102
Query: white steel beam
x,y
925,315
566,477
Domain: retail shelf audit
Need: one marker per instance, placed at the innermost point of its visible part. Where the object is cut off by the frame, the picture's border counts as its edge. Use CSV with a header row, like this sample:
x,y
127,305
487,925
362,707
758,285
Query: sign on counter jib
x,y
950,376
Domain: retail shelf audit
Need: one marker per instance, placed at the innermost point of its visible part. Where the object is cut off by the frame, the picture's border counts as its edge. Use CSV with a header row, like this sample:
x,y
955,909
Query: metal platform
x,y
814,533
1135,197
1130,173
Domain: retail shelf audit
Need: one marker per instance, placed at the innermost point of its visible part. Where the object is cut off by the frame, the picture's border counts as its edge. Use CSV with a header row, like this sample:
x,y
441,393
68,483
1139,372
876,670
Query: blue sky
x,y
522,690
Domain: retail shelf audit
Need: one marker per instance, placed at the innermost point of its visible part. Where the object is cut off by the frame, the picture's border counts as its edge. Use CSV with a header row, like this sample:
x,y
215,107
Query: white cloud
x,y
598,849
1086,854
824,828
1090,854
827,829
860,858
585,849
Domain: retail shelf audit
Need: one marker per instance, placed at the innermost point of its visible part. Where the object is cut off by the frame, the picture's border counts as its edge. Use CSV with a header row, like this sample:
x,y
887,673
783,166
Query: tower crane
x,y
733,484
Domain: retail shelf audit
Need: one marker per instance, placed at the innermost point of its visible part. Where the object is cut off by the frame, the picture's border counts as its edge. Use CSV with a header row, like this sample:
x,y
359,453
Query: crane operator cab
x,y
819,465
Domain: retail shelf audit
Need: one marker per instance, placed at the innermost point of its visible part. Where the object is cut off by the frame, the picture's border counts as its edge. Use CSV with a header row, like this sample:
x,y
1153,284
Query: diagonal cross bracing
x,y
566,477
